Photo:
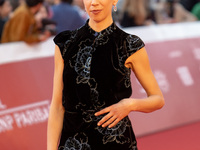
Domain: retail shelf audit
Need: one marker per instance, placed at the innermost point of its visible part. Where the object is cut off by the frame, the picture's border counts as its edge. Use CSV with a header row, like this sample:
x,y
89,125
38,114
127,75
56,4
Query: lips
x,y
96,11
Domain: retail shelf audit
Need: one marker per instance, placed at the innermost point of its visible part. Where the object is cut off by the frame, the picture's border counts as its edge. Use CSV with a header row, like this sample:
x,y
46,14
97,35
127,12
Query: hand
x,y
44,36
115,113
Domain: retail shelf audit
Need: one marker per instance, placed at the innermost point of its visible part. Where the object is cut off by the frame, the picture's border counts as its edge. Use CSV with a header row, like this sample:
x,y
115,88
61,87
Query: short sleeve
x,y
133,43
61,40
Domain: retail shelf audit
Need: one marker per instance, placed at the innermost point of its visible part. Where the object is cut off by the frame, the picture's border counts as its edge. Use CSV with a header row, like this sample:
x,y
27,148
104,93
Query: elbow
x,y
161,102
57,108
158,103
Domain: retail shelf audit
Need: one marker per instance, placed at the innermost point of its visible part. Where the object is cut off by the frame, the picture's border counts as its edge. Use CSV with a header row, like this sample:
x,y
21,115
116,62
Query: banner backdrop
x,y
176,66
25,94
26,81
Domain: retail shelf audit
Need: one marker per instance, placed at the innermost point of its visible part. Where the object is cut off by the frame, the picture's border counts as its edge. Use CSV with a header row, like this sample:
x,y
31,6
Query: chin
x,y
97,19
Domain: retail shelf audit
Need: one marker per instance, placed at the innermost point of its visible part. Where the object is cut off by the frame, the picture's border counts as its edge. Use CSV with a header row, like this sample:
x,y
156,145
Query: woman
x,y
171,11
90,104
5,11
134,13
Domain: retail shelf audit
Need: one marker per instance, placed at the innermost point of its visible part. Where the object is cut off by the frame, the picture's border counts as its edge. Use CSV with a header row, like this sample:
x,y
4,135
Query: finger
x,y
109,121
104,119
103,111
114,123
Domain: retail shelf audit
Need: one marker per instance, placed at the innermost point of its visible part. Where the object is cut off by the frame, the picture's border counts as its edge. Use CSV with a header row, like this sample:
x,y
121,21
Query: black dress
x,y
95,77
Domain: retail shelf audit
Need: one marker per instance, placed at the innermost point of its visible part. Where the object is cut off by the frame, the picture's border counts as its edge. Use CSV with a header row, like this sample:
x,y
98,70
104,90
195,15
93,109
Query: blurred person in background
x,y
196,10
134,13
50,2
188,4
22,25
66,16
78,4
15,3
171,11
5,10
56,2
44,21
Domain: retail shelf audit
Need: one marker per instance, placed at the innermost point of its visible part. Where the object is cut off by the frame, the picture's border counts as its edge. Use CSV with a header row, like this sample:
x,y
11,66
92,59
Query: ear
x,y
115,2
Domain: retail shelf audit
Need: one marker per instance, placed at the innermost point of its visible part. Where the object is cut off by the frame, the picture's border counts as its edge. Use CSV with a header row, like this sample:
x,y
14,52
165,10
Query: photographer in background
x,y
5,10
44,21
22,25
134,13
188,4
196,10
171,11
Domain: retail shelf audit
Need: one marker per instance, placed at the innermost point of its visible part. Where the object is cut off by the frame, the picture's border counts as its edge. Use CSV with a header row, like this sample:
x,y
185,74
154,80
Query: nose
x,y
94,2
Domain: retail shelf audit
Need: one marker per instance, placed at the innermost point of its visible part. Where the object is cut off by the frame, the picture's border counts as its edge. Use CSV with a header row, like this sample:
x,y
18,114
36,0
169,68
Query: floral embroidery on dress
x,y
131,44
78,142
83,62
125,71
127,79
96,105
115,133
87,114
101,39
134,44
68,42
133,145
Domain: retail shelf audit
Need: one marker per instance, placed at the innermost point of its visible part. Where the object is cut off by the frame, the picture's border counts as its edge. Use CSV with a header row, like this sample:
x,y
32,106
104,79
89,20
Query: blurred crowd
x,y
33,21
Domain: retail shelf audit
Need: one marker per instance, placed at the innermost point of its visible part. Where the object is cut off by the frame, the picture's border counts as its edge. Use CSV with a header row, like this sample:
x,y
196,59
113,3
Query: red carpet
x,y
183,138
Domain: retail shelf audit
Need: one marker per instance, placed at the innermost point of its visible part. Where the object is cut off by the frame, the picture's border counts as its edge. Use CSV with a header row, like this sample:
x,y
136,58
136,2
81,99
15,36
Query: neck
x,y
99,26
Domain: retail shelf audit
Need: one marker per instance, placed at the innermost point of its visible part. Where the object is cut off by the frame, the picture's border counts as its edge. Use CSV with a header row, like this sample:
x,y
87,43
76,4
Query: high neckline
x,y
105,31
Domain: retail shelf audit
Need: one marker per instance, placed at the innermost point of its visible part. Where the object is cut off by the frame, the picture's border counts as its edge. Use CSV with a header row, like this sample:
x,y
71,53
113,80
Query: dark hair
x,y
67,1
171,8
2,2
170,1
32,3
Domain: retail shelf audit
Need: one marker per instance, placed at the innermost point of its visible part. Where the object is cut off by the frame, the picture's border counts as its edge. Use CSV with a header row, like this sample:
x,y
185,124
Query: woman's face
x,y
99,10
6,9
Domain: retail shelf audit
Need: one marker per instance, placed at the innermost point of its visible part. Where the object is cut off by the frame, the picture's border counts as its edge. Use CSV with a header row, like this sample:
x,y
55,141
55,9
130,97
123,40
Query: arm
x,y
182,15
56,113
139,63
